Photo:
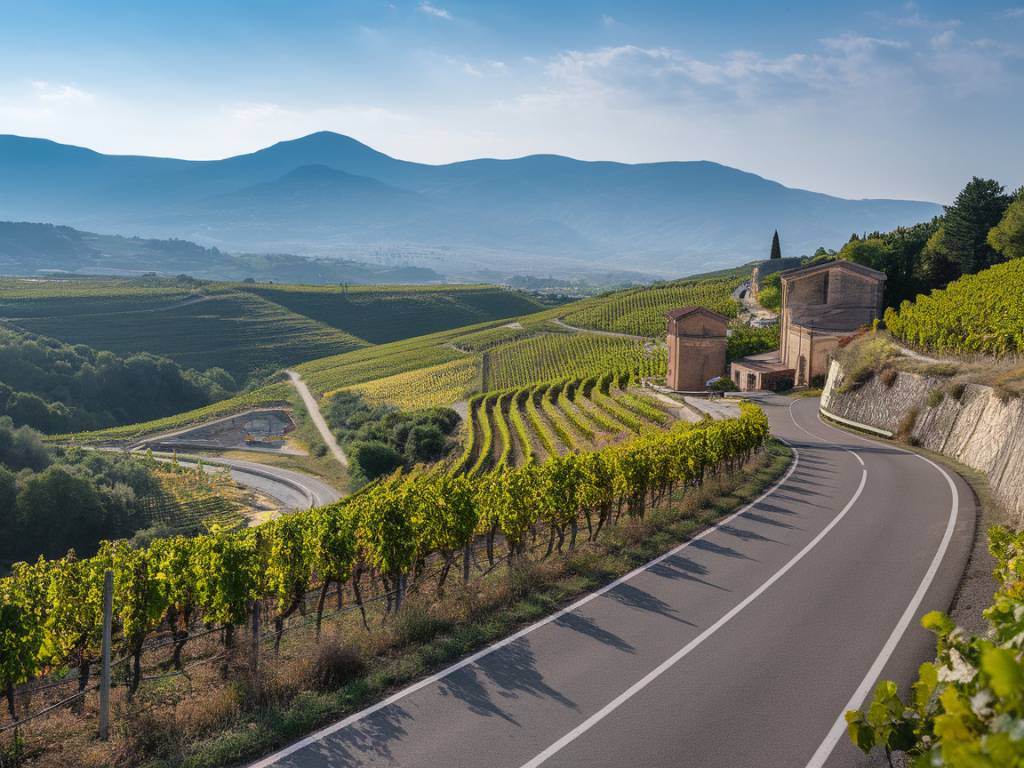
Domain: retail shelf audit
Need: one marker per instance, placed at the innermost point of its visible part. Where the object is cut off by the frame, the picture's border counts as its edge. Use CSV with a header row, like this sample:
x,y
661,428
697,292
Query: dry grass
x,y
873,355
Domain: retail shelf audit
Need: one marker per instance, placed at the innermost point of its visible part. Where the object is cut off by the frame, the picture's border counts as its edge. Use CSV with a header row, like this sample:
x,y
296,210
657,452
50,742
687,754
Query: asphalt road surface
x,y
739,649
295,490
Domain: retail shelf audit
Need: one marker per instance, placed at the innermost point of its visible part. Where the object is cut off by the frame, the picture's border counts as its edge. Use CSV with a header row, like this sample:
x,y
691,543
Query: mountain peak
x,y
324,141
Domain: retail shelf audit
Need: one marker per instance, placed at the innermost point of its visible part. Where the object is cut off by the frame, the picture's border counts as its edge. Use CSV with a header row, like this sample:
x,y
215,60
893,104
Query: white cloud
x,y
851,43
433,10
1012,13
915,19
58,93
608,21
943,39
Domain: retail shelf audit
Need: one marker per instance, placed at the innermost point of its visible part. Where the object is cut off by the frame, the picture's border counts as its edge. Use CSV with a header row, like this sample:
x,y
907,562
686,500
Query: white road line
x,y
826,747
816,437
651,676
472,659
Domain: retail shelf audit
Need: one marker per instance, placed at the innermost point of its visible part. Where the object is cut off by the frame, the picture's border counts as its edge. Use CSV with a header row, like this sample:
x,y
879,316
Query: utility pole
x,y
254,661
108,611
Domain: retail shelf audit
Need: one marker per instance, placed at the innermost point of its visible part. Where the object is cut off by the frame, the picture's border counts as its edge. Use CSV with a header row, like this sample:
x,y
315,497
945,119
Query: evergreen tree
x,y
979,207
776,248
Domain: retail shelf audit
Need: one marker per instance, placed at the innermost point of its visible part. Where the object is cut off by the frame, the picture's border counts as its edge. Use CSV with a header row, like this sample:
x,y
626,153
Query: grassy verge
x,y
350,668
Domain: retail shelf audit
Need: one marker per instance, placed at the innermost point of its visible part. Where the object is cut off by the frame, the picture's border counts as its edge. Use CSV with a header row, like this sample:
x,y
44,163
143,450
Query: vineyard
x,y
437,385
191,500
514,427
180,602
981,313
380,314
439,368
641,311
966,707
549,356
62,297
243,334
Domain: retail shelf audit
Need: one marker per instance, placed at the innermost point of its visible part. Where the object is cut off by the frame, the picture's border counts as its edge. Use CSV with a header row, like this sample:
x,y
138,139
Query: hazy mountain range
x,y
329,195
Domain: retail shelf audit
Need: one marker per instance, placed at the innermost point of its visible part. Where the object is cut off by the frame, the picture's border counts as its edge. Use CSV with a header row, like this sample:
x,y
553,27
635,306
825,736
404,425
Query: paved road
x,y
295,490
740,649
313,408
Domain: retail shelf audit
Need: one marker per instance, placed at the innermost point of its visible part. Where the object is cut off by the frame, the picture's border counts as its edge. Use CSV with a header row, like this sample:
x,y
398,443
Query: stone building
x,y
821,305
696,347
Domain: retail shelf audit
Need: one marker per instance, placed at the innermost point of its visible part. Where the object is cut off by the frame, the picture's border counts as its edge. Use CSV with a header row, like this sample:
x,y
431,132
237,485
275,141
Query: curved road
x,y
295,490
739,649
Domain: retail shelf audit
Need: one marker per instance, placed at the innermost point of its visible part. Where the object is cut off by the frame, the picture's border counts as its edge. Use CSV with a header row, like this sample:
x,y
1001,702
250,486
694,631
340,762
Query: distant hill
x,y
331,195
31,249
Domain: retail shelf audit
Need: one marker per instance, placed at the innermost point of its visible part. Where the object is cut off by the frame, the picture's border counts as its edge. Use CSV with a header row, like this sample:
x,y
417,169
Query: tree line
x,y
53,499
57,388
984,226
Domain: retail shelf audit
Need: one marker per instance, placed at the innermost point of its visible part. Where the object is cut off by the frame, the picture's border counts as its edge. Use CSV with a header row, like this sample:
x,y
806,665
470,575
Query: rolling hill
x,y
328,194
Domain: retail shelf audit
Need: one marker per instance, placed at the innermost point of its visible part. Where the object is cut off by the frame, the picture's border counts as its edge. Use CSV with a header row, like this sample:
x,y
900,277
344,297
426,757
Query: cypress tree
x,y
776,248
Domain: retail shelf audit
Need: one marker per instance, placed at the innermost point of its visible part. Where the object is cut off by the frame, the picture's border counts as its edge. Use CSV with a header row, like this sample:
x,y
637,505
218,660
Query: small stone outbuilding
x,y
696,348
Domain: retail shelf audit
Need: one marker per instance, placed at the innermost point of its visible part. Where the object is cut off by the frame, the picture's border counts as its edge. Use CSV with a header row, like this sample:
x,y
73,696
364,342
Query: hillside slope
x,y
250,330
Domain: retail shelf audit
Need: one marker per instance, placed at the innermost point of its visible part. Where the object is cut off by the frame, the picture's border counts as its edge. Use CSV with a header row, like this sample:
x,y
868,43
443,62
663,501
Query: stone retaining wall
x,y
977,429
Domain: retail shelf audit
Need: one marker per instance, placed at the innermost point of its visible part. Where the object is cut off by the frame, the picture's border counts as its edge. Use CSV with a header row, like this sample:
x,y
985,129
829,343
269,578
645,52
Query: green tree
x,y
1007,237
376,458
977,209
776,247
57,510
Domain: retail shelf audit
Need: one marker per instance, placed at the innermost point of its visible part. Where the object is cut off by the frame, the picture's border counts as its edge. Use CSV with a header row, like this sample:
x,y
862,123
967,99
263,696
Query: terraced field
x,y
508,428
548,356
436,385
242,333
641,311
514,356
380,314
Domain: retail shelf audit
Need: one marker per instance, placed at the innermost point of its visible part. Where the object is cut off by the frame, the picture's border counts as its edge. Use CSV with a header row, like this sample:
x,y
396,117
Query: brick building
x,y
696,347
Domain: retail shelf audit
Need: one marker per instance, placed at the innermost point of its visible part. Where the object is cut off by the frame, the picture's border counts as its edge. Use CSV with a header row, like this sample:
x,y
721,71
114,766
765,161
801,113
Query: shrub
x,y
935,398
376,458
906,427
889,376
334,665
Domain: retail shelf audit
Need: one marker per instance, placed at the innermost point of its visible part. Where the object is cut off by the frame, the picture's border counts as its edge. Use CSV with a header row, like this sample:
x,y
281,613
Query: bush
x,y
425,442
334,665
906,427
935,398
375,458
889,376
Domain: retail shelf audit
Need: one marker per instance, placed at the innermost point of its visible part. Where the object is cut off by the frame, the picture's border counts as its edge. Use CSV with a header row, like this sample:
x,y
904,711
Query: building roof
x,y
765,362
843,264
675,314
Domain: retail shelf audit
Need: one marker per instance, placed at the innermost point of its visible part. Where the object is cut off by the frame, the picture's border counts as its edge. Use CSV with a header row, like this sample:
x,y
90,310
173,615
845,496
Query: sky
x,y
857,99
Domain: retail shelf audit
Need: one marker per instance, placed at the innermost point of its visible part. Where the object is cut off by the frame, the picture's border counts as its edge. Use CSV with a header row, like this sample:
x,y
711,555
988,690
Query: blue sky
x,y
856,99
